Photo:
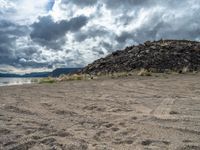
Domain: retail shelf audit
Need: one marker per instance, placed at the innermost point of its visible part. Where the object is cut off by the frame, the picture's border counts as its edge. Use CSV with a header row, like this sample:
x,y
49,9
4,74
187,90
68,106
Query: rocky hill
x,y
158,56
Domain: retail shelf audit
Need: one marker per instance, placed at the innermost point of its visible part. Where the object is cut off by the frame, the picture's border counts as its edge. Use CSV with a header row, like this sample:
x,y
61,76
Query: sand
x,y
134,113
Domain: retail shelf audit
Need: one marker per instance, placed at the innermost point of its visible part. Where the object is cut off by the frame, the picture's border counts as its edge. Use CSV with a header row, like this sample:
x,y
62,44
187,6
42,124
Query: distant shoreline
x,y
15,81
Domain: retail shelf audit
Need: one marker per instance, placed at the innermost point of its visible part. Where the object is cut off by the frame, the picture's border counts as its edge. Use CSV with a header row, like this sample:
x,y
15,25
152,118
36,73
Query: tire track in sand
x,y
163,110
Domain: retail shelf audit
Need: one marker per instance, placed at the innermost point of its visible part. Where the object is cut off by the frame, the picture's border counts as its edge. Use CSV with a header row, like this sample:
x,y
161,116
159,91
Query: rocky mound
x,y
157,56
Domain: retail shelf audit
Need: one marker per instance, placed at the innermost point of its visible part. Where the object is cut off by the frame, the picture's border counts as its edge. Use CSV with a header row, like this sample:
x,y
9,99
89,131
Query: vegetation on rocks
x,y
47,80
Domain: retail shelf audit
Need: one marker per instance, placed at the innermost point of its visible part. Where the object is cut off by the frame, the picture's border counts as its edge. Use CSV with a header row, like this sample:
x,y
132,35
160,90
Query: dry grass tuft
x,y
144,72
47,80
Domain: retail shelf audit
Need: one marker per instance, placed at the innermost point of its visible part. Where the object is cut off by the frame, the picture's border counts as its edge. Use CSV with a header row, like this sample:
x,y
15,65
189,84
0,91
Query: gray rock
x,y
158,55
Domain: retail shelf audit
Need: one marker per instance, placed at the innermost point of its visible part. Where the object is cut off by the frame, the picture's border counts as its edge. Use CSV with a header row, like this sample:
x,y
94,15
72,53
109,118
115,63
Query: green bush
x,y
47,80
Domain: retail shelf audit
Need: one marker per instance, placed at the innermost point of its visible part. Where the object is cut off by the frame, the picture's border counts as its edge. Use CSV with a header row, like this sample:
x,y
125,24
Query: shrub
x,y
144,72
185,70
74,77
47,80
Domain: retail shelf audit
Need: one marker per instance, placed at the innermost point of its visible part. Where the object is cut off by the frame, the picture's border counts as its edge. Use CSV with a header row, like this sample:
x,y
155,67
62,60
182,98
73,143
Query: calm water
x,y
15,81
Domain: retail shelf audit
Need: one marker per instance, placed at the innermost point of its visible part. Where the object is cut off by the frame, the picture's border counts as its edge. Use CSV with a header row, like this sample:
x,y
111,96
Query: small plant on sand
x,y
47,80
120,74
73,77
185,70
144,72
77,77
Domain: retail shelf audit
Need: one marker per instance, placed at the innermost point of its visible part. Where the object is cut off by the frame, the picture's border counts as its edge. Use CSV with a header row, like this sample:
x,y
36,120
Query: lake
x,y
15,81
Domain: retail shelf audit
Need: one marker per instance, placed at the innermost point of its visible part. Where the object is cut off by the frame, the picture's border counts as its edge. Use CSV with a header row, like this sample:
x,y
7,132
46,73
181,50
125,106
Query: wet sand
x,y
134,113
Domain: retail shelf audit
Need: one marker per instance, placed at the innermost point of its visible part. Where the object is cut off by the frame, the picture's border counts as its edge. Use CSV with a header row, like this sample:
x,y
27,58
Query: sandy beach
x,y
133,113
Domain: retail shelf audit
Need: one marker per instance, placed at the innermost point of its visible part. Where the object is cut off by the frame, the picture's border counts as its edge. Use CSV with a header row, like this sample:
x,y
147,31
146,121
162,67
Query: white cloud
x,y
107,25
23,11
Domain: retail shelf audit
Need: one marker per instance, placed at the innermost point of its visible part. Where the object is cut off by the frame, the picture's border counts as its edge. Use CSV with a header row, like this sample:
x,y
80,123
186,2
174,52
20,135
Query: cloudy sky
x,y
37,35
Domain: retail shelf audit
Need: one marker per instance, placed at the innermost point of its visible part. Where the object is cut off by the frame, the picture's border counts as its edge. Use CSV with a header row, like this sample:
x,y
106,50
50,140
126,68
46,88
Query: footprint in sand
x,y
127,140
4,131
149,142
189,147
164,109
109,125
24,146
18,110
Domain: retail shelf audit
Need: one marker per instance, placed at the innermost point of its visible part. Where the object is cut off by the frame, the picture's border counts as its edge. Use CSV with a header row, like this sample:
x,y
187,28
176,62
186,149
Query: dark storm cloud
x,y
8,35
109,25
123,37
109,3
98,50
46,31
107,46
125,5
12,55
81,3
151,30
8,28
25,58
51,44
91,33
32,64
176,28
163,19
173,21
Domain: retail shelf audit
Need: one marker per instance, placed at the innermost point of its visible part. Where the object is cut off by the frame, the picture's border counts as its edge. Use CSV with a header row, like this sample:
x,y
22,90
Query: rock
x,y
158,55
